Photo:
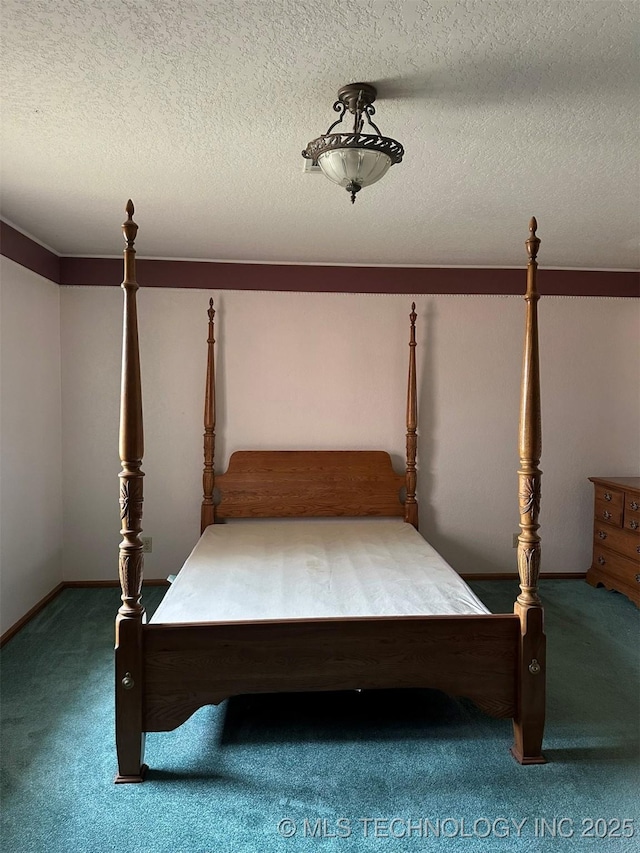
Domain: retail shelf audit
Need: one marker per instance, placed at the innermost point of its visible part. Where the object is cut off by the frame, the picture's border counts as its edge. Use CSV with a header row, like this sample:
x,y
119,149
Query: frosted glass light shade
x,y
360,166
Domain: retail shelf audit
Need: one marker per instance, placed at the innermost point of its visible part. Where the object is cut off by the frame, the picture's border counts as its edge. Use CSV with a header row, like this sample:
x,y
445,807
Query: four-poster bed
x,y
416,624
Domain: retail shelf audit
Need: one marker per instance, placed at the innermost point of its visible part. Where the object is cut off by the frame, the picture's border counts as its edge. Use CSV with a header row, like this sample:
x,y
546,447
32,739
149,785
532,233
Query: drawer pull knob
x,y
534,667
602,561
607,496
127,681
606,515
602,534
634,524
638,578
638,549
635,506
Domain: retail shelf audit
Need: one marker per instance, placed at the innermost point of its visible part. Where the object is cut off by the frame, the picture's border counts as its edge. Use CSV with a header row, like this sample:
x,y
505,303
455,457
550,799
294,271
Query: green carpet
x,y
224,781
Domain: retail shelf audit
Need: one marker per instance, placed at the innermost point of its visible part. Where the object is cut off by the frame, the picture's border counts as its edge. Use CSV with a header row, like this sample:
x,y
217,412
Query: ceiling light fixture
x,y
354,160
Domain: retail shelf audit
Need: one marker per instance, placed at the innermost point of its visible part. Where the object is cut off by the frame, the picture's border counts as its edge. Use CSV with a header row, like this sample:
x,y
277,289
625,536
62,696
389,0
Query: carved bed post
x,y
529,722
128,652
208,510
410,503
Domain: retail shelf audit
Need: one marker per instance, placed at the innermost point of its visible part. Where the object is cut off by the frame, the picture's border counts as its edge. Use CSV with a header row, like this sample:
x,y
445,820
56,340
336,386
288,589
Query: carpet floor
x,y
372,772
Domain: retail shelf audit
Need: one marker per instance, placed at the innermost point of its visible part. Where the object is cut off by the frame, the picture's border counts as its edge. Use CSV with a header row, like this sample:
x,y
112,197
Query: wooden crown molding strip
x,y
205,275
26,252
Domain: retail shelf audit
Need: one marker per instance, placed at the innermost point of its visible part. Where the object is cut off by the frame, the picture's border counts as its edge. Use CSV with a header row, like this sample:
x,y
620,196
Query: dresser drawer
x,y
624,542
609,512
632,512
608,495
617,568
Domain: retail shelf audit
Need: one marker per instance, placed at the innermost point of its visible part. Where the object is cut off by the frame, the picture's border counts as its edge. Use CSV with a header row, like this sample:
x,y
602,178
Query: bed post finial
x,y
530,438
410,502
131,436
533,243
208,509
129,228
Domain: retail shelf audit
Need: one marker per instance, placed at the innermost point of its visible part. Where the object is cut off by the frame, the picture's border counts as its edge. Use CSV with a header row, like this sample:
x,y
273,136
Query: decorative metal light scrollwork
x,y
330,141
357,98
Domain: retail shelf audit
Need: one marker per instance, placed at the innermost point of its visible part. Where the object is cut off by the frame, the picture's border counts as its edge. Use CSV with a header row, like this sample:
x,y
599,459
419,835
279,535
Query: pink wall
x,y
328,370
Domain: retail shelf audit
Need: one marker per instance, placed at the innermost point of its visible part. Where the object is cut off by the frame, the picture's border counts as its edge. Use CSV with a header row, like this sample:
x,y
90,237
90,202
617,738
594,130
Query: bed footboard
x,y
187,666
489,659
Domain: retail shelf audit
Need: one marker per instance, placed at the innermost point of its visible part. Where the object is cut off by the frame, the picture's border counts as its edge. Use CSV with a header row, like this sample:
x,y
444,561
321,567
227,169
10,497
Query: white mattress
x,y
249,571
252,571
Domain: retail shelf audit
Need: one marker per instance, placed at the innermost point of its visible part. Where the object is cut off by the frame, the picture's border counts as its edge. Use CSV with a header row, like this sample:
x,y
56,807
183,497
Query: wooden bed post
x,y
208,510
128,650
410,503
529,721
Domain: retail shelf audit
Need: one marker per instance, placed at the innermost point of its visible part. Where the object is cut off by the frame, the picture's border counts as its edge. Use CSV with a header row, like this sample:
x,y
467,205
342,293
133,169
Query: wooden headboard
x,y
308,483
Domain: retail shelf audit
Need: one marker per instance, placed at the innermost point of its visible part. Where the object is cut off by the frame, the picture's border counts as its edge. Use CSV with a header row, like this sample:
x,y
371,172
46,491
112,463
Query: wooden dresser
x,y
616,535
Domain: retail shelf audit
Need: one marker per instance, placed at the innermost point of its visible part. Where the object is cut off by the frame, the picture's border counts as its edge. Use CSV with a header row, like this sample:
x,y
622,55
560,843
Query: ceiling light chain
x,y
354,160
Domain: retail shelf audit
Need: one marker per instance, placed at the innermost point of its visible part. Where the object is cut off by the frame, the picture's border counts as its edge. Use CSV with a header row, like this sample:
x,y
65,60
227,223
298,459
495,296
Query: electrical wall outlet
x,y
514,543
147,542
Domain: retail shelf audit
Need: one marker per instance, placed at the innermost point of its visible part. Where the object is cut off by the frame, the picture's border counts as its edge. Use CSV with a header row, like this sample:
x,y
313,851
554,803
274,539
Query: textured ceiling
x,y
199,110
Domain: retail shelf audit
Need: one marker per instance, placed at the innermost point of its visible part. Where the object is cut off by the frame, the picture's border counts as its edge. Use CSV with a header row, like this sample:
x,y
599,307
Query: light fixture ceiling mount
x,y
354,160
